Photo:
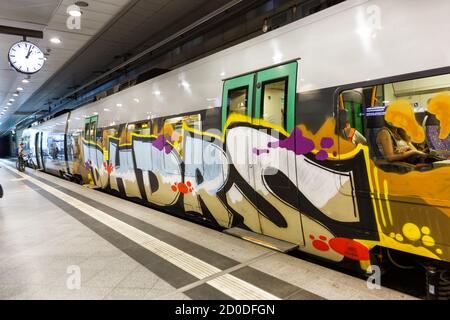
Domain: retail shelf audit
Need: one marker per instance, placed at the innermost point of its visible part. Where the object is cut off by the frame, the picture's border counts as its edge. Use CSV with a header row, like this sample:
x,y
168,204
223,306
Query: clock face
x,y
26,57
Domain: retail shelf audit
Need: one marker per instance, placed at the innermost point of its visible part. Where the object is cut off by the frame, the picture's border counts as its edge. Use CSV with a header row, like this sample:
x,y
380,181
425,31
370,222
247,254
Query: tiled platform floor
x,y
50,229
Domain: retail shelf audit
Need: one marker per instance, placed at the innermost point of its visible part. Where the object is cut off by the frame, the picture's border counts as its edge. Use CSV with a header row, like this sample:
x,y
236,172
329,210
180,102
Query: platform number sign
x,y
26,57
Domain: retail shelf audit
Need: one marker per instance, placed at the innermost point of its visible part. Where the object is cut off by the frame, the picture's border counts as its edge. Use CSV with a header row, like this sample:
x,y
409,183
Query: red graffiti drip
x,y
319,244
109,168
183,187
350,249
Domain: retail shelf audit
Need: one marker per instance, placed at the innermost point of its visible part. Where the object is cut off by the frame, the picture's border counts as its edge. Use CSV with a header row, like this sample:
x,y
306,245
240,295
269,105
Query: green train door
x,y
238,98
275,99
90,138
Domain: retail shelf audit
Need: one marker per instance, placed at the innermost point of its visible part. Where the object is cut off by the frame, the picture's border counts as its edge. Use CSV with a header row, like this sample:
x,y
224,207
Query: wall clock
x,y
26,57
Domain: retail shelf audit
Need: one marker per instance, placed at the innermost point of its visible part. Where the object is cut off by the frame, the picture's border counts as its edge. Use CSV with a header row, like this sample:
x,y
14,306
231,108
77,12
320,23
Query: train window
x,y
403,123
174,130
274,103
73,147
141,128
93,130
238,100
55,143
107,134
87,128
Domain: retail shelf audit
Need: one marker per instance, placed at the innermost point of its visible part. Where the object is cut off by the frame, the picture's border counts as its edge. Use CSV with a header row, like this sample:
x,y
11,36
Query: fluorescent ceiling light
x,y
75,12
55,40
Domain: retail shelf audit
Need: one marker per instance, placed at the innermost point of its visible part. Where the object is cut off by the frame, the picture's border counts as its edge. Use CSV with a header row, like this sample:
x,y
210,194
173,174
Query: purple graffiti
x,y
327,143
259,152
160,144
88,165
296,142
322,155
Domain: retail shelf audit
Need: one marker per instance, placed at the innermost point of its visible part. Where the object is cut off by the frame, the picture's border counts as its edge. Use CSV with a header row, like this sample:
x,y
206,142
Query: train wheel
x,y
437,283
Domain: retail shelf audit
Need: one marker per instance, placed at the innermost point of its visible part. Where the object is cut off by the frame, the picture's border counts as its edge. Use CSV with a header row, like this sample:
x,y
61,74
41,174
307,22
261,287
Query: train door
x,y
90,147
238,101
37,150
275,172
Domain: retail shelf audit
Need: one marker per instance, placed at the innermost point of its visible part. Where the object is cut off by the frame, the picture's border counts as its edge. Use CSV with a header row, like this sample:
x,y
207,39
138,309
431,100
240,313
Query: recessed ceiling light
x,y
12,100
119,105
19,89
25,81
55,40
9,104
75,11
15,94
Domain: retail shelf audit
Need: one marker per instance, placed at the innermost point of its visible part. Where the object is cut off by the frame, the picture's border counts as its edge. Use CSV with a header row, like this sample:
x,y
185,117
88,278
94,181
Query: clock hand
x,y
28,55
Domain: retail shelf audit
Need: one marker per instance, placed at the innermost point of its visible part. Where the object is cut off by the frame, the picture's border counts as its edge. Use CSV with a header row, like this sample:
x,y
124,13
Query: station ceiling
x,y
111,30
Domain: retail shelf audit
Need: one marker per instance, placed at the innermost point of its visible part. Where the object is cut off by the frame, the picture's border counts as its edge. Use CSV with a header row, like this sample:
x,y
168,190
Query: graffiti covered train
x,y
265,151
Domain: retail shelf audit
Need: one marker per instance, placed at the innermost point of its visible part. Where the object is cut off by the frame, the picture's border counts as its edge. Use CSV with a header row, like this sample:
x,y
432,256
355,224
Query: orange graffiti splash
x,y
401,115
440,106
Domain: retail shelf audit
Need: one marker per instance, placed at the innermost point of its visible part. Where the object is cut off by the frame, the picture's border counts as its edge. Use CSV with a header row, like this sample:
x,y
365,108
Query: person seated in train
x,y
353,135
395,145
349,133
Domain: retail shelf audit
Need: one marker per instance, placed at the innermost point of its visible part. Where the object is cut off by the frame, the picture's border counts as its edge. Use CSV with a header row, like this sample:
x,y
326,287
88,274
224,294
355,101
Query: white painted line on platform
x,y
228,284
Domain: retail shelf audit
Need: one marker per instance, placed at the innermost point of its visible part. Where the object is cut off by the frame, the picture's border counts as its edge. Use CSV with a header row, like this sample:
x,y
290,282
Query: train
x,y
252,137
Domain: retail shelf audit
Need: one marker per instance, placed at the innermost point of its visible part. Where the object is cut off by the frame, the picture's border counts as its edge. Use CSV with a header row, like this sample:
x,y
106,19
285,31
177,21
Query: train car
x,y
280,135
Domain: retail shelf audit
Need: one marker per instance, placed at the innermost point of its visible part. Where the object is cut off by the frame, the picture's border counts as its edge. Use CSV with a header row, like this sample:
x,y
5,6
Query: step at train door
x,y
274,155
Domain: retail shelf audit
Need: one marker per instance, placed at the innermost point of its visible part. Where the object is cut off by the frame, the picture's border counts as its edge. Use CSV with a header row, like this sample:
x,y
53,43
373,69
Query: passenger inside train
x,y
403,123
395,145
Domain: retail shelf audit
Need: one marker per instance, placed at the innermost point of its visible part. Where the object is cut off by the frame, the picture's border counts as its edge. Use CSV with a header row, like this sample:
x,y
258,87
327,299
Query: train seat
x,y
432,131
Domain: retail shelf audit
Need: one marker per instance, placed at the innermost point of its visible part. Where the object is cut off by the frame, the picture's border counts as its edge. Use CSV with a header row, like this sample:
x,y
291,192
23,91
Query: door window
x,y
238,100
274,102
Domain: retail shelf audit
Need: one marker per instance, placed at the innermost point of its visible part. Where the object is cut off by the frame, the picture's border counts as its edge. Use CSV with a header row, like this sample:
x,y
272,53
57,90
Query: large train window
x,y
274,101
406,124
108,133
55,143
174,134
174,130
